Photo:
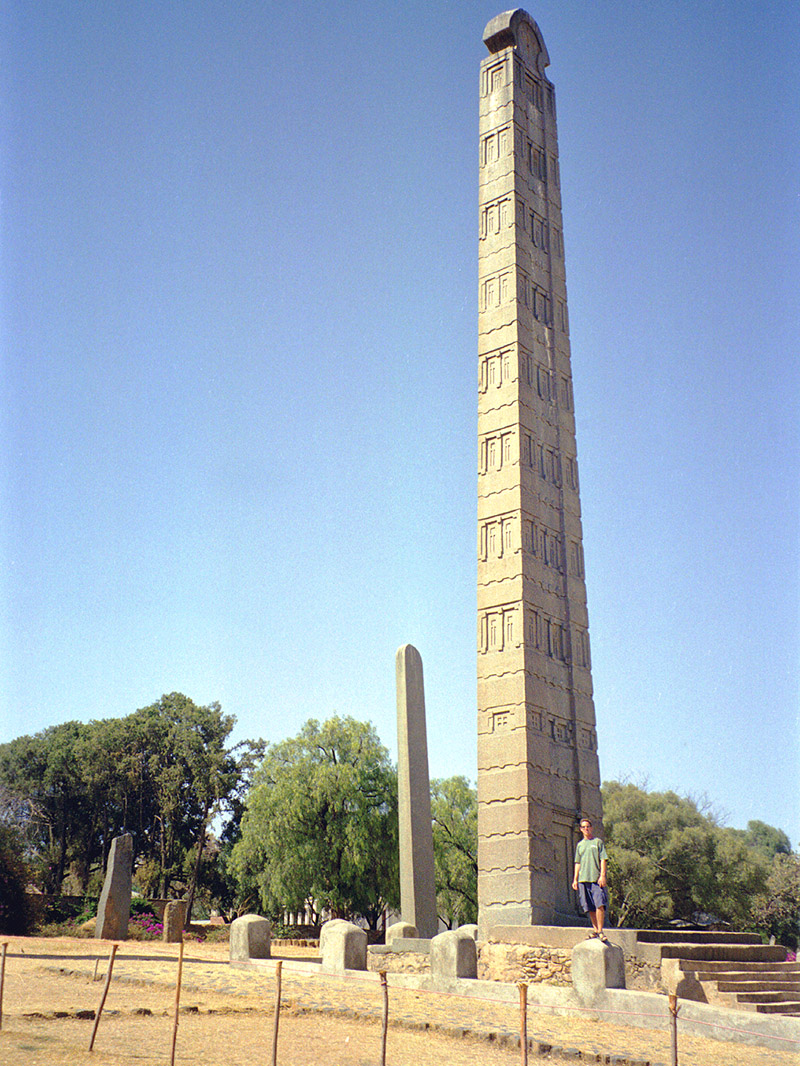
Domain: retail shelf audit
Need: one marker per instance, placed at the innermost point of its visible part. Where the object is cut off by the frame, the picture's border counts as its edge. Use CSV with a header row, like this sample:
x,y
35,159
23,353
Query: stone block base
x,y
250,938
343,946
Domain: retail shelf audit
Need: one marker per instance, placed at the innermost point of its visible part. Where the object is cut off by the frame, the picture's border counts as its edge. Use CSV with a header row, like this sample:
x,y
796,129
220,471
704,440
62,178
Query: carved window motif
x,y
497,629
506,439
537,161
561,731
494,146
541,307
496,77
534,539
572,473
562,316
544,383
552,549
566,394
588,739
533,91
493,375
491,459
576,559
551,100
501,720
553,170
536,720
582,652
535,629
527,449
506,366
492,540
507,535
558,242
538,231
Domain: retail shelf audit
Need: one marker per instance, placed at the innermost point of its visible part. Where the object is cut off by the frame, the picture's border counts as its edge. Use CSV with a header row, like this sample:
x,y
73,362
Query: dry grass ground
x,y
227,1017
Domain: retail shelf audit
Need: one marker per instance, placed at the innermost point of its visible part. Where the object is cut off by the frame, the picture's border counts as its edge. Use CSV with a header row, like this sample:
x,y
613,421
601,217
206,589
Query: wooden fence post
x,y
2,978
673,1024
385,1021
177,1004
105,993
278,966
523,1021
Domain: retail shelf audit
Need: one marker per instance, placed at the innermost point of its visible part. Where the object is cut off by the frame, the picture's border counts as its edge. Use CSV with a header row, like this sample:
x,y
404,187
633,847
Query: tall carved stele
x,y
537,744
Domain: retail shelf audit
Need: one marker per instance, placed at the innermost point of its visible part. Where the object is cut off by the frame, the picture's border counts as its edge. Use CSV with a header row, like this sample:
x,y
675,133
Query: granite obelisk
x,y
417,878
538,769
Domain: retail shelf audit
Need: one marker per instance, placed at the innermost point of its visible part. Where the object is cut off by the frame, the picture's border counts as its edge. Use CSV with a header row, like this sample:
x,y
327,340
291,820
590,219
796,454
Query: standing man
x,y
590,879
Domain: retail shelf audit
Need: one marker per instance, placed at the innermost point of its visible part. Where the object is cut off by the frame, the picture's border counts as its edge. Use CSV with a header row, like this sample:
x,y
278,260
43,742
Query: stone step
x,y
770,996
724,952
792,1009
694,936
711,966
765,978
789,987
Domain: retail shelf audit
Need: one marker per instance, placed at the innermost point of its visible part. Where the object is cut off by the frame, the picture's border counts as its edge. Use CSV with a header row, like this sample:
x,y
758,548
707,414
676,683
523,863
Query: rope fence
x,y
368,978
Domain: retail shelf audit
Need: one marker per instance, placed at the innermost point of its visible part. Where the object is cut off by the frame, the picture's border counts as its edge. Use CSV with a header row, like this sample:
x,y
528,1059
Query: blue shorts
x,y
591,896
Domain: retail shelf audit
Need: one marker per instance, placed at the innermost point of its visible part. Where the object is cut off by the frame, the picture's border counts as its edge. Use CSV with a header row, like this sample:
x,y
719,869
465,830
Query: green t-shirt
x,y
589,854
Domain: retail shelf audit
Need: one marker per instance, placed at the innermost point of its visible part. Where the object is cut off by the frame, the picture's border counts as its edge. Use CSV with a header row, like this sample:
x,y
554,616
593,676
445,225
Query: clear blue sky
x,y
239,326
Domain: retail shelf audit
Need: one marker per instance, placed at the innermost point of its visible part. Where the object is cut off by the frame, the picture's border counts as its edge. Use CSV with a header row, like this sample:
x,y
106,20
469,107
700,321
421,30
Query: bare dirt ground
x,y
51,990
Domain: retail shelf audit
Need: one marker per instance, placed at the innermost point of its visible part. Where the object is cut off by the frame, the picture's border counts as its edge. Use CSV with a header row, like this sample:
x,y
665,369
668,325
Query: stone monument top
x,y
516,29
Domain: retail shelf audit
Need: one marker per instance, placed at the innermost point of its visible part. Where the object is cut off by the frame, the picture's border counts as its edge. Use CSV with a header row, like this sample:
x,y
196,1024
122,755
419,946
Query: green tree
x,y
454,809
769,840
44,770
776,912
670,860
320,825
14,879
162,773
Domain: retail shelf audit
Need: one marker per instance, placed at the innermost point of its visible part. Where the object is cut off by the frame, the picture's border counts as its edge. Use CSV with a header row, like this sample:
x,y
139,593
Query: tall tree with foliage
x,y
669,860
320,825
454,809
162,774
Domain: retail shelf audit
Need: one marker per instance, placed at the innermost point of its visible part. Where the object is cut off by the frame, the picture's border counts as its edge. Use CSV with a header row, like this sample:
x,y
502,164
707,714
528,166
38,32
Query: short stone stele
x,y
174,921
343,946
250,938
400,931
595,967
454,954
114,908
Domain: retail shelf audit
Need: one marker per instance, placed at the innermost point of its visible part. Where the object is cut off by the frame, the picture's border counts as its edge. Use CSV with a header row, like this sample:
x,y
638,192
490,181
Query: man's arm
x,y
601,880
575,878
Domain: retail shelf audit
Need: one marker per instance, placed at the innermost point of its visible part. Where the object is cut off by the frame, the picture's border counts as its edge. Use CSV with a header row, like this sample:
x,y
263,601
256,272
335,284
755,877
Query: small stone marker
x,y
114,908
250,938
595,967
454,954
417,878
174,921
343,946
400,931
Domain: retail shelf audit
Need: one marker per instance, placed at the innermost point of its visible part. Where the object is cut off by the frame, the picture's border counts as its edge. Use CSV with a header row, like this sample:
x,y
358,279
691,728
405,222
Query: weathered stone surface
x,y
523,962
114,908
417,879
454,954
343,946
400,931
595,967
683,983
174,920
469,930
250,938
